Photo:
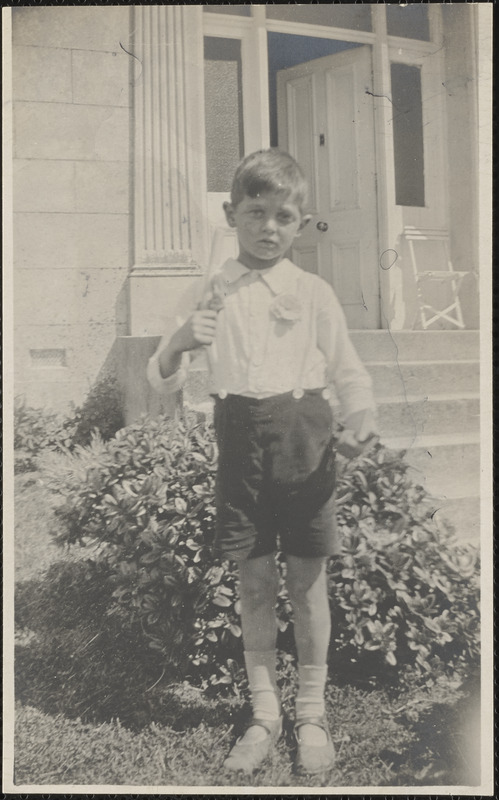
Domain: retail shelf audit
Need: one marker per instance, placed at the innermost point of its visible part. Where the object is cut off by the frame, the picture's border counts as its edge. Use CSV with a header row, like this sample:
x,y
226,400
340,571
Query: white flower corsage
x,y
286,307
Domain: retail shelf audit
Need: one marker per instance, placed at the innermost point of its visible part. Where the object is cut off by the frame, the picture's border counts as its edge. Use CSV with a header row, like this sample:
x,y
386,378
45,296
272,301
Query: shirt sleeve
x,y
188,303
351,381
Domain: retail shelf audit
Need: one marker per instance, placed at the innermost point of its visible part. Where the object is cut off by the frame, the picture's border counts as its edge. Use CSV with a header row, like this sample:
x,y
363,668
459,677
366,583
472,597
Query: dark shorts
x,y
276,477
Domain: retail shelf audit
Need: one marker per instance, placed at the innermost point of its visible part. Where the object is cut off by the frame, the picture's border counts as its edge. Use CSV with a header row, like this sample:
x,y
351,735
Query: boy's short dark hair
x,y
270,170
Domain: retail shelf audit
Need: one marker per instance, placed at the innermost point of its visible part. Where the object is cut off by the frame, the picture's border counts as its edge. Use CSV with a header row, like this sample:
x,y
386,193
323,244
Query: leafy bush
x,y
36,429
404,589
403,594
101,411
147,498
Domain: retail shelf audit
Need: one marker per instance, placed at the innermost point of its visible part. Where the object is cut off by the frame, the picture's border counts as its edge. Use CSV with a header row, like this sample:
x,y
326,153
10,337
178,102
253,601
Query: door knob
x,y
322,227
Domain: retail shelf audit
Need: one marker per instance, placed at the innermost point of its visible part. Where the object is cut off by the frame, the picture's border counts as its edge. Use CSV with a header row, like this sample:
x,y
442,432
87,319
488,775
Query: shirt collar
x,y
280,278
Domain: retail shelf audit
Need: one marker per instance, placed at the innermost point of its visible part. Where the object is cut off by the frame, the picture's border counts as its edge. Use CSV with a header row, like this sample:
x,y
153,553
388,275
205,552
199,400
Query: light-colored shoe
x,y
314,759
247,757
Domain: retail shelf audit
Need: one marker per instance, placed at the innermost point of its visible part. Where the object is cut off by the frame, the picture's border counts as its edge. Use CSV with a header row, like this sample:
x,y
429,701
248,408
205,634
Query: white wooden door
x,y
326,121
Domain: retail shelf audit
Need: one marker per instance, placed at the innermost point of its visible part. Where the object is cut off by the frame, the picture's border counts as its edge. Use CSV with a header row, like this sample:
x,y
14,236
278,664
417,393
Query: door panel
x,y
342,145
300,96
325,120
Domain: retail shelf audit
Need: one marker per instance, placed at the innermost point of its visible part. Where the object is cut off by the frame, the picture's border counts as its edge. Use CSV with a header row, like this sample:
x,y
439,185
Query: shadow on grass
x,y
74,658
78,661
445,749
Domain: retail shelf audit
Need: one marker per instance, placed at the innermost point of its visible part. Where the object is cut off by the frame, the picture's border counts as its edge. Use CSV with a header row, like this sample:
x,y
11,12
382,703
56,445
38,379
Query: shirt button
x,y
298,393
326,394
222,394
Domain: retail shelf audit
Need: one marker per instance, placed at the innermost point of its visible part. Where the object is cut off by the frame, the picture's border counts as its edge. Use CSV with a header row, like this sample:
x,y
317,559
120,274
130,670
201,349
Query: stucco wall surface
x,y
460,87
71,176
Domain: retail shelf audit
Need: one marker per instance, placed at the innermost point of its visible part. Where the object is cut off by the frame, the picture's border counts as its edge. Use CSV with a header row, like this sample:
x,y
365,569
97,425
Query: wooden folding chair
x,y
432,267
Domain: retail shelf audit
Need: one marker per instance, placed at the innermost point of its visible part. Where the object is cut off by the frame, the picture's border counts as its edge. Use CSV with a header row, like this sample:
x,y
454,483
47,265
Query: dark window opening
x,y
410,21
408,135
223,110
356,16
237,10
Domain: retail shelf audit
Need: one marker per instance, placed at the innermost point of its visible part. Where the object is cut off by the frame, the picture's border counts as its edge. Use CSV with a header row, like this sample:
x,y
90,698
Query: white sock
x,y
261,670
311,686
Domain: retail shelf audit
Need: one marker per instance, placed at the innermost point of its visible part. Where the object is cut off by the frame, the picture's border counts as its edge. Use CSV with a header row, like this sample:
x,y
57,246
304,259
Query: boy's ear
x,y
229,214
304,221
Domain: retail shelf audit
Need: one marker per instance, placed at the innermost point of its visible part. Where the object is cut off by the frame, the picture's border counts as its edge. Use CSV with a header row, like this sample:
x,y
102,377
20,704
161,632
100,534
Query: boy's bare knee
x,y
306,579
259,580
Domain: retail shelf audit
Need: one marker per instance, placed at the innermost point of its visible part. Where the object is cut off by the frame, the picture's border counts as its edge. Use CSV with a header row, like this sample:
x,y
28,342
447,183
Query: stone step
x,y
462,515
413,417
408,418
416,379
396,346
447,466
424,377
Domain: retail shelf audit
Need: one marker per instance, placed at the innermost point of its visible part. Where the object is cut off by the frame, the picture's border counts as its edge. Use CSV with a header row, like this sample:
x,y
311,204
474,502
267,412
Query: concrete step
x,y
424,377
396,346
407,418
418,379
414,417
447,466
462,515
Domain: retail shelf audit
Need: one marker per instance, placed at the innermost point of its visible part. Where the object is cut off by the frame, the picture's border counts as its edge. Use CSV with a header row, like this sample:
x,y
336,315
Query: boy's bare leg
x,y
259,583
307,588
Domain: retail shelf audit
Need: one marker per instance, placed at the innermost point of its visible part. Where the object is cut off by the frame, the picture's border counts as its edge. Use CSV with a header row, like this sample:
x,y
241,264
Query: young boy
x,y
275,337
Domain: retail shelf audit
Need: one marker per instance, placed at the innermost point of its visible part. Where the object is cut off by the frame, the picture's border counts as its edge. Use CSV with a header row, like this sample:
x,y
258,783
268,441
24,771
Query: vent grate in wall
x,y
48,357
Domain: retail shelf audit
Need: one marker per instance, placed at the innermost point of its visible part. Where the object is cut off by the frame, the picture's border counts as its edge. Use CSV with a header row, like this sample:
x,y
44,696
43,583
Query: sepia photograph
x,y
247,324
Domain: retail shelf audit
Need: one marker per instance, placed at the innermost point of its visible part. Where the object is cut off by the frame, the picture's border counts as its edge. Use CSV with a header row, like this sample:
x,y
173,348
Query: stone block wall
x,y
71,196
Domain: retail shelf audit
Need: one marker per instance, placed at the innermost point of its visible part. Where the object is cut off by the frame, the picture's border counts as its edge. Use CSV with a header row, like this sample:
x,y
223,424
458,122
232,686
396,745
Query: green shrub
x,y
404,590
101,411
403,594
34,431
37,430
147,498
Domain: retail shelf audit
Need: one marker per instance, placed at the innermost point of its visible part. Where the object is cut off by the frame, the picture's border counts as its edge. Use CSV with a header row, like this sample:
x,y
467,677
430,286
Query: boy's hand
x,y
360,430
197,331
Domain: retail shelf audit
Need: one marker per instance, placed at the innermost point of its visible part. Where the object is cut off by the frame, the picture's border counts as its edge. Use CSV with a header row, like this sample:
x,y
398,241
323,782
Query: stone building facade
x,y
128,122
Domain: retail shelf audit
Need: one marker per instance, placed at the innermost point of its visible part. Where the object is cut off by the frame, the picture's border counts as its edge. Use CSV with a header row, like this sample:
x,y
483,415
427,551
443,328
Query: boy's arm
x,y
360,430
167,368
352,382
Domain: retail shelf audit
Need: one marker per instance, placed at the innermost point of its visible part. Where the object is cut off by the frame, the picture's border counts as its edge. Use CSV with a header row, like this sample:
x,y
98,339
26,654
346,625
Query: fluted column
x,y
169,153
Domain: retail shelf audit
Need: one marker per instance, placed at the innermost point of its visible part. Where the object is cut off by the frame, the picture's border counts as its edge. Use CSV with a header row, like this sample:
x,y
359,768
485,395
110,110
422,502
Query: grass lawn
x,y
34,522
423,737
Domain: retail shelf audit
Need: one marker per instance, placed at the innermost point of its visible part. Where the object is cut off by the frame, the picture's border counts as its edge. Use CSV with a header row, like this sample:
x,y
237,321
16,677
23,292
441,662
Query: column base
x,y
132,355
154,294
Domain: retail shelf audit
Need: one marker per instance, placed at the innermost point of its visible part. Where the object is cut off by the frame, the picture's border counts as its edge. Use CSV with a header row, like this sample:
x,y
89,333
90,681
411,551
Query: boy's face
x,y
266,227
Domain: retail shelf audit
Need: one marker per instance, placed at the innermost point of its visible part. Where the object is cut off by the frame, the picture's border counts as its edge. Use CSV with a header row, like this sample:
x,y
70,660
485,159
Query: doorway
x,y
321,111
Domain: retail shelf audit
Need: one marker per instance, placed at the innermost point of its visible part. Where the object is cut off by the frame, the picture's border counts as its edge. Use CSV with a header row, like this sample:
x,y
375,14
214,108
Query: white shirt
x,y
257,354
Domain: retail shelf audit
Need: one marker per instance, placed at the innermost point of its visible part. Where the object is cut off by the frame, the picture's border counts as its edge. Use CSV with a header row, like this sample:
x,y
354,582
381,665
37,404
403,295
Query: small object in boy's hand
x,y
215,302
349,445
213,298
371,437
